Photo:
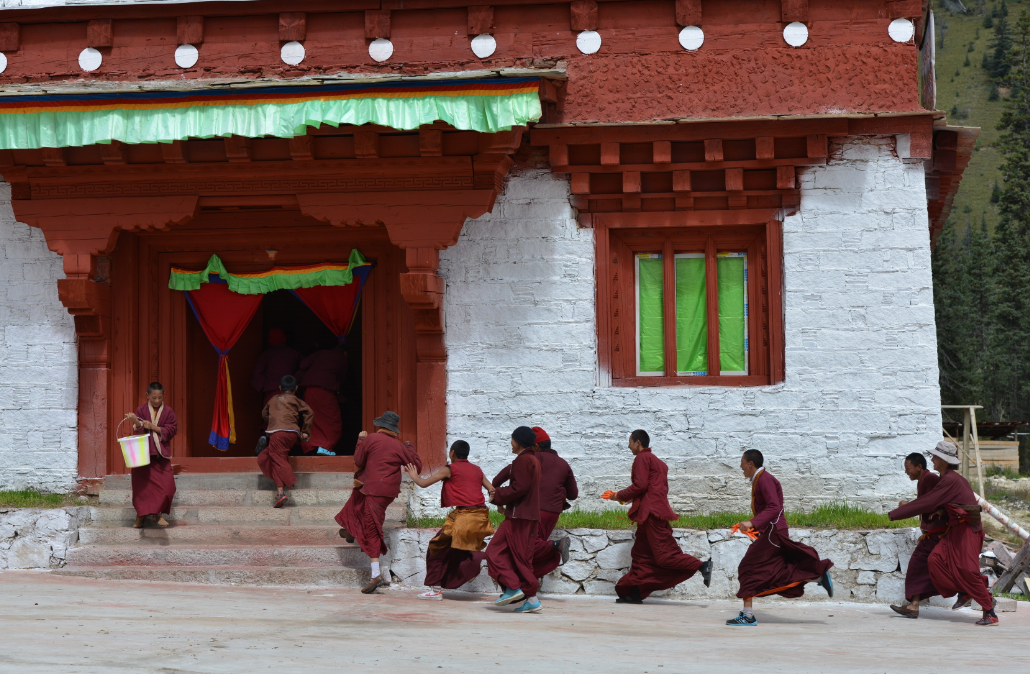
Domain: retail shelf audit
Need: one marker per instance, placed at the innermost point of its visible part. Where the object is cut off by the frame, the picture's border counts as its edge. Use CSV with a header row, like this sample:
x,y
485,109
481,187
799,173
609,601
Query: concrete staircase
x,y
225,531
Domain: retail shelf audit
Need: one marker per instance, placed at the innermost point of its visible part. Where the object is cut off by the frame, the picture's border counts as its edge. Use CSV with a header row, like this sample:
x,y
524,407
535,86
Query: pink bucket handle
x,y
118,431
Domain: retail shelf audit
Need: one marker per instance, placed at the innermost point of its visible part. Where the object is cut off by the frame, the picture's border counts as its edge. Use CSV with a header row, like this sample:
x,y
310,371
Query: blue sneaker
x,y
527,607
509,596
826,583
743,621
322,451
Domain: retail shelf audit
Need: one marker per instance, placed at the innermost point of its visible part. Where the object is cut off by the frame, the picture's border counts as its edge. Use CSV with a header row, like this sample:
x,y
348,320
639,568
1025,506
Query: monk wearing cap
x,y
918,585
557,487
658,561
773,564
274,363
379,460
954,563
509,557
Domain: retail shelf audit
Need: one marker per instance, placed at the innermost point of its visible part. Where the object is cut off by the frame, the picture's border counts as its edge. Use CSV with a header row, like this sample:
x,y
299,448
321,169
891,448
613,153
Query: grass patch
x,y
1017,597
28,498
832,516
1007,472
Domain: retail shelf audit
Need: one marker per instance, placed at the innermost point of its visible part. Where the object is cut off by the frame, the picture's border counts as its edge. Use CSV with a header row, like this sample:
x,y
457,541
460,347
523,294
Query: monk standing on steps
x,y
286,417
378,461
455,553
153,485
954,564
918,585
509,557
773,564
658,561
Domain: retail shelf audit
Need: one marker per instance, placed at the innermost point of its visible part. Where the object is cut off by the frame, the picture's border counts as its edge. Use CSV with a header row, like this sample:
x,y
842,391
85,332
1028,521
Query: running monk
x,y
455,553
955,563
773,564
658,561
153,485
286,417
379,459
918,585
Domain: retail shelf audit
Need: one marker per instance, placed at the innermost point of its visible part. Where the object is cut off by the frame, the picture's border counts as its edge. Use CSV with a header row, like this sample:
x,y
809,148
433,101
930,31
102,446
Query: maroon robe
x,y
328,423
153,485
774,564
954,564
274,462
378,461
272,365
509,556
917,576
658,562
450,568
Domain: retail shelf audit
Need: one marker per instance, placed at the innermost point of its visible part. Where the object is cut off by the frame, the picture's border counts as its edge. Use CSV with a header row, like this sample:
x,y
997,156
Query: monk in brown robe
x,y
321,375
153,485
274,363
455,553
509,557
954,563
918,585
557,487
379,459
658,562
287,418
773,564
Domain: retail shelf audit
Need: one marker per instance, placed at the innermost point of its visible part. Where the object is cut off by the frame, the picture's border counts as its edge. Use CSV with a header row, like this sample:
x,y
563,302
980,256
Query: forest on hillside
x,y
981,264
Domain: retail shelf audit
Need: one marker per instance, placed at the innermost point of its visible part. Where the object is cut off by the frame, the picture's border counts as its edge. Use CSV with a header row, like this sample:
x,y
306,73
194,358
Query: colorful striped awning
x,y
70,120
276,278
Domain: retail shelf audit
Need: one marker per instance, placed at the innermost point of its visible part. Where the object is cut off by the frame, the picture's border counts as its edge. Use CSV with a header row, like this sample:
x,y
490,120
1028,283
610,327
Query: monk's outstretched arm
x,y
639,485
501,477
932,500
423,482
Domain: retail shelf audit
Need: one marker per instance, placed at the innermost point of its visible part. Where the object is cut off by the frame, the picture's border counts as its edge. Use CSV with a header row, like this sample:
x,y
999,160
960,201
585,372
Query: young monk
x,y
658,561
153,485
773,564
378,461
954,564
286,417
557,487
454,554
509,557
918,585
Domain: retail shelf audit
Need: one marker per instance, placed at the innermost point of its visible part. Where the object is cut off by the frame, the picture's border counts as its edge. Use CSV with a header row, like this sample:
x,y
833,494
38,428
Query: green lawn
x,y
31,499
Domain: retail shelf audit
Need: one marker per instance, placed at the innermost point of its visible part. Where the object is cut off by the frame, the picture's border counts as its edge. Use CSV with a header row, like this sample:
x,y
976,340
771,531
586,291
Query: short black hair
x,y
155,386
288,383
544,444
641,436
755,457
461,449
916,459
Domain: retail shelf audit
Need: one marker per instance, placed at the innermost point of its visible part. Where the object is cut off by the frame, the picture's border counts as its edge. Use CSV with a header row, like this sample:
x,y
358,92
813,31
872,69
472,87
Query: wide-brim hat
x,y
389,421
947,451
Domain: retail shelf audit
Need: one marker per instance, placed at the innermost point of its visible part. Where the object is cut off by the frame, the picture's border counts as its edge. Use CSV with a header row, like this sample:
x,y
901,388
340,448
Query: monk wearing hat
x,y
954,563
379,460
918,585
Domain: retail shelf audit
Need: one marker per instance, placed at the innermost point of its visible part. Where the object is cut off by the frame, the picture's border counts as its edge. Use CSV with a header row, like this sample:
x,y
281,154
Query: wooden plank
x,y
662,152
293,26
189,29
1020,565
765,147
712,310
430,142
631,182
681,181
713,149
734,180
747,164
785,177
559,155
583,15
817,145
669,305
100,33
610,154
688,12
794,10
366,144
377,23
774,254
581,183
480,20
10,37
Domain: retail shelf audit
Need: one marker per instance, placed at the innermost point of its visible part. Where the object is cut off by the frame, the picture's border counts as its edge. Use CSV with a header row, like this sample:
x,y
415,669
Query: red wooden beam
x,y
583,14
293,26
189,29
688,12
480,20
794,10
377,23
10,37
100,33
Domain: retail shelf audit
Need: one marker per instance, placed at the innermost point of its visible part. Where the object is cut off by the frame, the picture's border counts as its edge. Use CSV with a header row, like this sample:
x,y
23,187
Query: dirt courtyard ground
x,y
52,624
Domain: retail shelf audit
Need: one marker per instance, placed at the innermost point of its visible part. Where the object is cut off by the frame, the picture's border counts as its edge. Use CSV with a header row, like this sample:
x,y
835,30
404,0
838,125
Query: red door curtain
x,y
336,306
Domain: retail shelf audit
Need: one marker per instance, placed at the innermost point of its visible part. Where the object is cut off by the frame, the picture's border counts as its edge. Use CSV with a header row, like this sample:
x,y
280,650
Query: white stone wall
x,y
33,538
861,387
38,363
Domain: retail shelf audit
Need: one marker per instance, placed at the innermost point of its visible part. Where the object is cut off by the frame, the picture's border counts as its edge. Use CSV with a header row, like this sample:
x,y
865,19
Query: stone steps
x,y
235,497
248,534
329,555
227,575
237,514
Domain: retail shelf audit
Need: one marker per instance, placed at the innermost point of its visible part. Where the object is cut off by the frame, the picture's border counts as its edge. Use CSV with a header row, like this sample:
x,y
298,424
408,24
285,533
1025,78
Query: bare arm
x,y
488,487
424,482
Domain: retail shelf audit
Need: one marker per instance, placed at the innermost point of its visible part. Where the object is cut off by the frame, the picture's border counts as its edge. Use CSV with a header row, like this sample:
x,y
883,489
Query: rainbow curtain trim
x,y
276,278
71,120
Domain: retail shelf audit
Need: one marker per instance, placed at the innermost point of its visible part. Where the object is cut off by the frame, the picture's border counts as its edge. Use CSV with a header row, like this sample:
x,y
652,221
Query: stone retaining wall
x,y
33,538
869,566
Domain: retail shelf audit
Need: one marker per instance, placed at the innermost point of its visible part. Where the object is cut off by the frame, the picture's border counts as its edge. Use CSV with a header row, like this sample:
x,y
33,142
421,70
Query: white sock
x,y
750,613
375,569
531,600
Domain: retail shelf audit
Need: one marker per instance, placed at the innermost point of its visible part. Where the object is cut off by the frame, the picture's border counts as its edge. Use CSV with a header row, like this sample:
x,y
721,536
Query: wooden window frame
x,y
617,302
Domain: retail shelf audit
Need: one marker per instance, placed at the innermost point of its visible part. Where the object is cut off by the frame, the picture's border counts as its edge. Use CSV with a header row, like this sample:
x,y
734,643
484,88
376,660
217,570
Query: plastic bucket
x,y
135,450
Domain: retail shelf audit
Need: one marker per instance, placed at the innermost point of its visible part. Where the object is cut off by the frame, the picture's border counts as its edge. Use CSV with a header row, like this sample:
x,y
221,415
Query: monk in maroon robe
x,y
918,585
509,557
658,562
321,375
379,459
954,563
288,418
773,564
153,485
557,487
274,363
455,553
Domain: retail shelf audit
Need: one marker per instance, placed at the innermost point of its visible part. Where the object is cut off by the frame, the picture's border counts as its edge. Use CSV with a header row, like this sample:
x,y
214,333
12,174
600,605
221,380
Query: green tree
x,y
999,48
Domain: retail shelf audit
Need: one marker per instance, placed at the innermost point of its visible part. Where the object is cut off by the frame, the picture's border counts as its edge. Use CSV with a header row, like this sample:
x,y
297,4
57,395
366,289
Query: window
x,y
690,305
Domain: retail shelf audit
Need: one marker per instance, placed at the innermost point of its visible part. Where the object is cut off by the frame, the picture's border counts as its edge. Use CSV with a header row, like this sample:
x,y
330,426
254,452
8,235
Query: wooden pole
x,y
1017,568
976,446
964,469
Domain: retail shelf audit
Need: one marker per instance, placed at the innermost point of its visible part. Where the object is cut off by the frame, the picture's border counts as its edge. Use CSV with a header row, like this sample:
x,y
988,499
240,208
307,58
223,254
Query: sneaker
x,y
509,596
905,611
827,583
990,618
632,597
261,444
743,621
962,601
373,585
706,573
281,501
563,546
322,451
527,607
432,596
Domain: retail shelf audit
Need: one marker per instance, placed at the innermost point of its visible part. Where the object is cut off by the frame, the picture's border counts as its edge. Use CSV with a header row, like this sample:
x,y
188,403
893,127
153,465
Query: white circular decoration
x,y
90,59
589,41
380,49
795,34
901,30
292,53
484,45
3,61
186,56
691,38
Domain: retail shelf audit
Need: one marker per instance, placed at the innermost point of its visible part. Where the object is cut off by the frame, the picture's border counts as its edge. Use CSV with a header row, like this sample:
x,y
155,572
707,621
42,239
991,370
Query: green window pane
x,y
691,320
732,318
651,327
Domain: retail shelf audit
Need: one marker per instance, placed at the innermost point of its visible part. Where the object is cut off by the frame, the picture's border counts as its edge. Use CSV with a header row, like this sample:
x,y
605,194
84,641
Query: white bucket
x,y
135,450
